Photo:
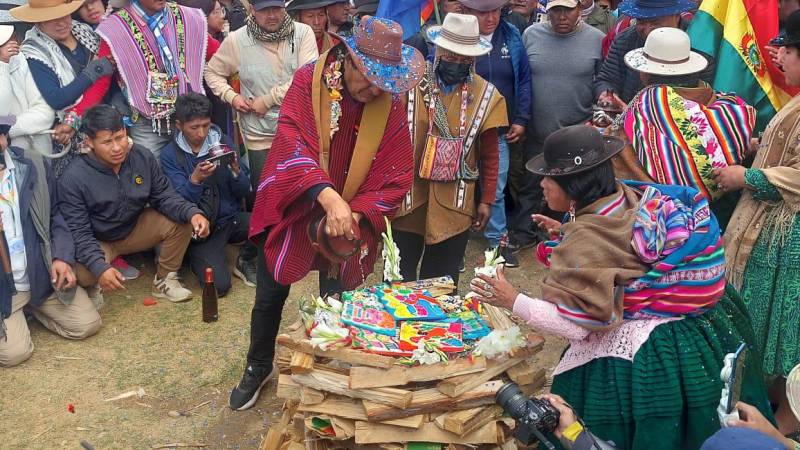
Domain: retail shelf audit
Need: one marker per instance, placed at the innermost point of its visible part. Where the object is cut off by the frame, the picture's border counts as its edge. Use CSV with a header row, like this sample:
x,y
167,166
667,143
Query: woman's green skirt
x,y
667,397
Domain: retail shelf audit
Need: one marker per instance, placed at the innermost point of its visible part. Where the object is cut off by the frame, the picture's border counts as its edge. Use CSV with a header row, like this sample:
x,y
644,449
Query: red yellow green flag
x,y
735,33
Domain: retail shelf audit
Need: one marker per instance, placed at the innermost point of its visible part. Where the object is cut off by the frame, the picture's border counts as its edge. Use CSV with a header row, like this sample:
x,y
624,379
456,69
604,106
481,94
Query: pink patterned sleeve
x,y
543,316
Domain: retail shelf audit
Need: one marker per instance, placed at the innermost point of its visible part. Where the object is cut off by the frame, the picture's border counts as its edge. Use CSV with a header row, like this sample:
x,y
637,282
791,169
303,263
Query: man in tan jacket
x,y
265,53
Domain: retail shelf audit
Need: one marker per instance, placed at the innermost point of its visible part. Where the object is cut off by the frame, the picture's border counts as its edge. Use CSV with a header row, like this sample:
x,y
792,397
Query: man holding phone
x,y
204,170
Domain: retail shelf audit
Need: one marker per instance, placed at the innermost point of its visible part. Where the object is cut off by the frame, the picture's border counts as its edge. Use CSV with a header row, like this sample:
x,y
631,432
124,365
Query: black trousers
x,y
211,252
438,260
525,192
265,320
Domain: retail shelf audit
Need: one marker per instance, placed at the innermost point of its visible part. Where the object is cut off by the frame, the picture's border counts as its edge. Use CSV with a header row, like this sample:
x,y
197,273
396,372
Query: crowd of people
x,y
514,122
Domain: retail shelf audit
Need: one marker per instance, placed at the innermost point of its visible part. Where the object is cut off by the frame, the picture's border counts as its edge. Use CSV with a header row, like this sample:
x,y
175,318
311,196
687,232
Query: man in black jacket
x,y
41,256
104,197
617,83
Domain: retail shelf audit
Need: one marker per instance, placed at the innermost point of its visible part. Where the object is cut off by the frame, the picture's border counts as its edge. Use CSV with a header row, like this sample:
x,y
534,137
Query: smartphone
x,y
223,159
736,378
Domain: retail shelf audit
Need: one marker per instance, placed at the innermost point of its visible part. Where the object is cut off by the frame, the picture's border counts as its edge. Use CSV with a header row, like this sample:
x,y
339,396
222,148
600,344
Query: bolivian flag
x,y
735,33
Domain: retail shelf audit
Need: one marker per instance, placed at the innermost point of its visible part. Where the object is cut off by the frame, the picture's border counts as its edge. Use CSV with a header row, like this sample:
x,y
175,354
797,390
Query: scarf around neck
x,y
44,49
284,32
156,23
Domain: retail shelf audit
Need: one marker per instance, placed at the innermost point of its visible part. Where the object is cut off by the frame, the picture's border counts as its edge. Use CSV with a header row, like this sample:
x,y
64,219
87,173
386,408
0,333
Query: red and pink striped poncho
x,y
292,167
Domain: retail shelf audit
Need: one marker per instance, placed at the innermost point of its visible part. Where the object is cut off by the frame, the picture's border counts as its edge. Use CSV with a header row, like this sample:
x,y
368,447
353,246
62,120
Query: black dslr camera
x,y
535,417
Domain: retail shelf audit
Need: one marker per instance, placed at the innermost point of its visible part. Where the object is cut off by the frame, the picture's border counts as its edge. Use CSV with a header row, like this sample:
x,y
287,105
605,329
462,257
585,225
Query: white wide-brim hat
x,y
667,52
459,34
793,390
6,31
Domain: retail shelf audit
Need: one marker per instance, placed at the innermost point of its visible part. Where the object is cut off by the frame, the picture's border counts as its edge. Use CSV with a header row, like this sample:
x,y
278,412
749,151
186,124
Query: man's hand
x,y
730,178
200,225
241,105
61,275
750,417
515,133
482,216
259,106
567,416
62,133
340,217
235,167
9,49
111,280
202,171
611,99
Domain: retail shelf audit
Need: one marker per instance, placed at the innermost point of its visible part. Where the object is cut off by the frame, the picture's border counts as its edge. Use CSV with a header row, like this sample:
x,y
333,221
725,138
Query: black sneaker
x,y
246,271
516,244
245,394
510,257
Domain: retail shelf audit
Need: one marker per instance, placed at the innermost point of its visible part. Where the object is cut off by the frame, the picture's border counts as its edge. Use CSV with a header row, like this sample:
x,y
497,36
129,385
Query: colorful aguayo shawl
x,y
138,54
679,141
677,237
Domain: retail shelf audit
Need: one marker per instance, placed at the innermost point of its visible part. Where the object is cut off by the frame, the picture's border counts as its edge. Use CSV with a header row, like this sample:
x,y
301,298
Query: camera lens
x,y
511,399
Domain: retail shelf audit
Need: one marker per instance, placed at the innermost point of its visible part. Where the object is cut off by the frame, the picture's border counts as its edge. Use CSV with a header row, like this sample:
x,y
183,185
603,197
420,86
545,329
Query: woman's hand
x,y
497,292
730,178
552,226
62,133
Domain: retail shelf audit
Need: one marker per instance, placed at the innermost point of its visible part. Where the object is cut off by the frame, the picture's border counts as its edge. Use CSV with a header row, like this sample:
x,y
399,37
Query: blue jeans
x,y
497,226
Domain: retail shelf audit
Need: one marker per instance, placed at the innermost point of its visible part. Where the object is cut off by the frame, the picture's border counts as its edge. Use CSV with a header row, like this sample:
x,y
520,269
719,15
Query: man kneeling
x,y
218,189
104,197
41,253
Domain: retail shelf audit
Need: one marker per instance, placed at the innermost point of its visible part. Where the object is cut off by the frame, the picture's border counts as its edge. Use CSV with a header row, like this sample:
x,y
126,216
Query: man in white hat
x,y
678,128
456,117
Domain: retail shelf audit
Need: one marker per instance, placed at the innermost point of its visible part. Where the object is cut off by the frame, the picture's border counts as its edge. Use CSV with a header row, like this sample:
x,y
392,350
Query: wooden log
x,y
283,358
533,345
310,396
325,380
301,362
428,401
371,433
346,355
277,434
456,386
350,409
498,319
462,422
524,373
537,385
369,377
288,389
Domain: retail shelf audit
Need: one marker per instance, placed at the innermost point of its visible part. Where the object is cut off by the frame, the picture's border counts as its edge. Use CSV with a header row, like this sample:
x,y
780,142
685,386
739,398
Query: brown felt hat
x,y
37,11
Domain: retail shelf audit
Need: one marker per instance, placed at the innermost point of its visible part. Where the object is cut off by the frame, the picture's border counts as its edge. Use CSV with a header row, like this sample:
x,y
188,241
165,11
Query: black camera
x,y
535,417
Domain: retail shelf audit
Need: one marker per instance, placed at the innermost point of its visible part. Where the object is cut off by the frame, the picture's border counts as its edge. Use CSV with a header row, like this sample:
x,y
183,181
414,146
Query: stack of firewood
x,y
347,398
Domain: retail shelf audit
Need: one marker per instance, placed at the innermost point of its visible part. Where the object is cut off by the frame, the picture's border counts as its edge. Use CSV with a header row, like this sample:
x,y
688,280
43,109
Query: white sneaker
x,y
171,288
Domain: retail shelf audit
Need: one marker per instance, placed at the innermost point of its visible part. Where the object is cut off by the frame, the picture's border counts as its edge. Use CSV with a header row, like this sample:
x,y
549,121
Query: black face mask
x,y
453,73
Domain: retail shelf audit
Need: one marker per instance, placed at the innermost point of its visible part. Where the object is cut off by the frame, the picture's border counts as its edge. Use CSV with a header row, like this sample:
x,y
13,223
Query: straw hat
x,y
37,11
459,33
667,52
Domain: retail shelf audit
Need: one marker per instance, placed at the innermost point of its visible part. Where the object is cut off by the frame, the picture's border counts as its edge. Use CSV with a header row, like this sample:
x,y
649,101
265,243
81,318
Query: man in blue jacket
x,y
506,67
41,255
218,190
117,201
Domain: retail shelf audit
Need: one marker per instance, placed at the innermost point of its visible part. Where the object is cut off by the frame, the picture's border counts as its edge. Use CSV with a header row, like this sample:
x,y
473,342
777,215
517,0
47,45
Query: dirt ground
x,y
185,367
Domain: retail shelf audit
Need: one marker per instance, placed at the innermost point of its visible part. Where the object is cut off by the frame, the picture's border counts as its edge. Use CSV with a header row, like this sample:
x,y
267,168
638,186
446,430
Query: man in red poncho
x,y
342,151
